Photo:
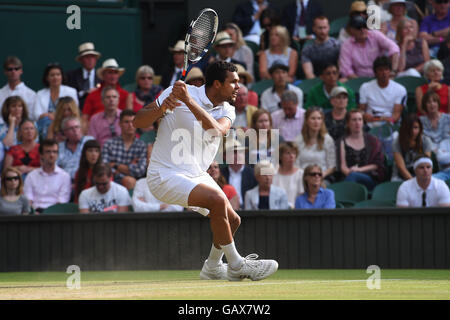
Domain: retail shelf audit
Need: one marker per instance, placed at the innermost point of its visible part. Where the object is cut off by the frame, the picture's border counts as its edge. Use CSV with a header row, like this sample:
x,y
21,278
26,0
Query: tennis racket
x,y
199,38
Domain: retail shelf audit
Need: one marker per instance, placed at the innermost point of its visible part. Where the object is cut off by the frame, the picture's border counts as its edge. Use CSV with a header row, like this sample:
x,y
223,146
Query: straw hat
x,y
179,47
109,64
223,38
358,6
85,49
195,73
244,73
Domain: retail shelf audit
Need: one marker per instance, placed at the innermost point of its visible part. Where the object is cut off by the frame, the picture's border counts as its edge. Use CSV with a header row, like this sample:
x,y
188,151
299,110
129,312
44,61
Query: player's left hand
x,y
180,92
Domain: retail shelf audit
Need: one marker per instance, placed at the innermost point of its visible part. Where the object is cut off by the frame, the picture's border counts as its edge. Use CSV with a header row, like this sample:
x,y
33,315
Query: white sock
x,y
215,256
233,257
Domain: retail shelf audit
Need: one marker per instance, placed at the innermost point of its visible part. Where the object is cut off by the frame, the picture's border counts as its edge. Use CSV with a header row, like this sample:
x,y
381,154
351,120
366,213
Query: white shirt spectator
x,y
410,194
43,99
144,201
292,184
93,200
325,158
235,180
380,101
20,90
270,100
46,189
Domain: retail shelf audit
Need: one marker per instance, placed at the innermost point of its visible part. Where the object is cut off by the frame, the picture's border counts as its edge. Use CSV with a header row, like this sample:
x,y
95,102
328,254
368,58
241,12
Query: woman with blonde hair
x,y
280,52
315,144
12,199
66,107
259,145
146,91
414,51
315,196
242,52
24,156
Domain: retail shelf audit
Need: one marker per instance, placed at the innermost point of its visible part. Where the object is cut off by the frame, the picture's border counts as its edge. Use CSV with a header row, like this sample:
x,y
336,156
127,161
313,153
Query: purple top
x,y
431,23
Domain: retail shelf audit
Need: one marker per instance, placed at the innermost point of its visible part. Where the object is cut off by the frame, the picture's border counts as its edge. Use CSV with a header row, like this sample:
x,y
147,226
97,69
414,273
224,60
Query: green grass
x,y
284,285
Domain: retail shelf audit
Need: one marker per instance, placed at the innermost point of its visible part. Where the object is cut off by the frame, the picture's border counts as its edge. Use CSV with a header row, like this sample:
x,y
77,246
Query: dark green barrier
x,y
341,238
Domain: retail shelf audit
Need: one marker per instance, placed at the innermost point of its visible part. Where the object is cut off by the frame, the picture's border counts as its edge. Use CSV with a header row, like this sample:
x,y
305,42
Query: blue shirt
x,y
324,200
68,160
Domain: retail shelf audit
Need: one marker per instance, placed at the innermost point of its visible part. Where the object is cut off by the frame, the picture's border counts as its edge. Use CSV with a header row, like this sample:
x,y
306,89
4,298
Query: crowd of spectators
x,y
74,140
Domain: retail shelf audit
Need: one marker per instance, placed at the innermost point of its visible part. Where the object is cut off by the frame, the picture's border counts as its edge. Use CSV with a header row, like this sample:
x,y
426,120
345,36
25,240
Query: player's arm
x,y
153,111
214,127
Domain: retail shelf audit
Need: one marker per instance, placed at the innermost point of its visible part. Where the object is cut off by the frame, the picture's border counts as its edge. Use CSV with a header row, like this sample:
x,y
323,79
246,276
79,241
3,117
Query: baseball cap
x,y
358,22
338,90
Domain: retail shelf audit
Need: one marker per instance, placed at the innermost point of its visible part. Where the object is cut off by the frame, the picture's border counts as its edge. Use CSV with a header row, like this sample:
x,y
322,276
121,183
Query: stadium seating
x,y
261,85
254,46
356,83
336,25
386,191
448,183
411,83
349,193
62,208
374,204
148,137
307,84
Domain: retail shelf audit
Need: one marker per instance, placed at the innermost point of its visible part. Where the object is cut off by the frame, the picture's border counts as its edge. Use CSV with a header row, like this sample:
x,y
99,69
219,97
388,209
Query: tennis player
x,y
180,157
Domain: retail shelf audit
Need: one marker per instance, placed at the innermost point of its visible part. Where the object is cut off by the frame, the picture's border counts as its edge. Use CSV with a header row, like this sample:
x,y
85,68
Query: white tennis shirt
x,y
182,145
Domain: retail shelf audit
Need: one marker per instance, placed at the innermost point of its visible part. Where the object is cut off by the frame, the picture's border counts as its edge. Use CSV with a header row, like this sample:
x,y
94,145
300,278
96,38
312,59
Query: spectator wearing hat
x,y
109,74
320,94
298,17
247,79
360,51
84,79
13,70
435,27
423,190
224,45
173,73
358,8
278,51
271,97
324,49
146,91
289,119
244,111
237,173
266,196
195,77
242,52
398,10
382,99
335,118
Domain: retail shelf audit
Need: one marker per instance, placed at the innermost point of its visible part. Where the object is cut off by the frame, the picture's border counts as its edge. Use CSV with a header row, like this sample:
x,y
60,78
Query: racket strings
x,y
203,32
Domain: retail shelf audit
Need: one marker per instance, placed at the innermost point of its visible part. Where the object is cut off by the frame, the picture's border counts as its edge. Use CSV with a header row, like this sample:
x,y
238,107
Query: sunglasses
x,y
12,178
314,174
13,68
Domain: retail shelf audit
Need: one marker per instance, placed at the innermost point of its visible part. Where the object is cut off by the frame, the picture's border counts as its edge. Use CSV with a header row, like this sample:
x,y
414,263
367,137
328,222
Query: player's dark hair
x,y
218,71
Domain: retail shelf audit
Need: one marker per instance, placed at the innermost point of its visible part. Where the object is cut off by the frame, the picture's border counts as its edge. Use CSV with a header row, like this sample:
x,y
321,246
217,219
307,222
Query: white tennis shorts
x,y
175,188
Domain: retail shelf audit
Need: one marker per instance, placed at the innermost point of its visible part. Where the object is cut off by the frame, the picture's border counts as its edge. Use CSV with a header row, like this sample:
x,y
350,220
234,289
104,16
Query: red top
x,y
93,103
253,98
443,94
20,156
229,191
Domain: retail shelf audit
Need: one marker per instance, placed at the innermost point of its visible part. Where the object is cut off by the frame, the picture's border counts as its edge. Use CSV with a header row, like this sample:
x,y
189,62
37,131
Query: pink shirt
x,y
358,59
46,189
100,128
289,128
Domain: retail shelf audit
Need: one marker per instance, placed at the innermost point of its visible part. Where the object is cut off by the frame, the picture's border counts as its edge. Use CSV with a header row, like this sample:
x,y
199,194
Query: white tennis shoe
x,y
217,273
253,269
